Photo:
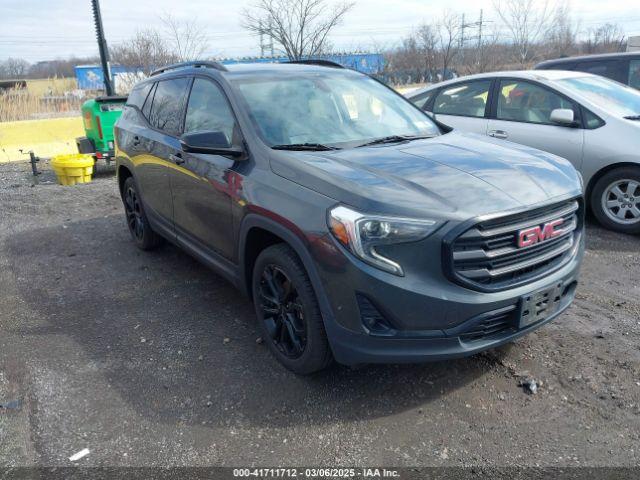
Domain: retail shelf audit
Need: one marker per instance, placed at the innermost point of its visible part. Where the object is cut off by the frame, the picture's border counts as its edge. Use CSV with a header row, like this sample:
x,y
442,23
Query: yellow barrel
x,y
72,169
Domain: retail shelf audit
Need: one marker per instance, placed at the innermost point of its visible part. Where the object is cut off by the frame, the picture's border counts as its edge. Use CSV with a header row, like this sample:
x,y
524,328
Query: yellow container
x,y
72,169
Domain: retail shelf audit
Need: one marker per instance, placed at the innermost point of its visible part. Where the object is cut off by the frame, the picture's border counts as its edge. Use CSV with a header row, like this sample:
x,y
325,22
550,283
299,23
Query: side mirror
x,y
563,116
212,143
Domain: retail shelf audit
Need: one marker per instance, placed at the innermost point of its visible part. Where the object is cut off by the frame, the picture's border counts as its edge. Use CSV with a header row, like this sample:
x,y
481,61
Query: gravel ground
x,y
150,359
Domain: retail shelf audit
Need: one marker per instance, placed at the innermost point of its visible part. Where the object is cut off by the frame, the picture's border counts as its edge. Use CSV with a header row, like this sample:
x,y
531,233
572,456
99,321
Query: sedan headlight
x,y
362,233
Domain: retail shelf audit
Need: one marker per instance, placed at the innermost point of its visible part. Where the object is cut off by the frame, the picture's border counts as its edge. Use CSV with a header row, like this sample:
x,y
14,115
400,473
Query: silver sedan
x,y
591,121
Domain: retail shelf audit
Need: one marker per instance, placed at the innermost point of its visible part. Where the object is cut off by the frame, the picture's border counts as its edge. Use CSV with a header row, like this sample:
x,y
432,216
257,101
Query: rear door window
x,y
465,99
520,101
168,103
634,74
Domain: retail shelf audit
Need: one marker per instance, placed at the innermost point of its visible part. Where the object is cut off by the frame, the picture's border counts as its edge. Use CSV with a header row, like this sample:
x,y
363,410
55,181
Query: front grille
x,y
486,256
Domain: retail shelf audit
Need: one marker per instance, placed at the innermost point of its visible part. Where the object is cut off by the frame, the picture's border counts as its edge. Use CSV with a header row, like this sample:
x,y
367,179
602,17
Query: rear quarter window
x,y
138,95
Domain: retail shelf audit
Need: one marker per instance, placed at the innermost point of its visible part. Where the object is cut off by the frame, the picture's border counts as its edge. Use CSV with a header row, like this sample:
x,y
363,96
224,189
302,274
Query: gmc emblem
x,y
537,234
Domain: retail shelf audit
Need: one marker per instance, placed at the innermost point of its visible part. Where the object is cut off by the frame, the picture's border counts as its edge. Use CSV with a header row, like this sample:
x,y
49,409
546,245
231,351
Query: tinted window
x,y
613,69
466,99
520,101
166,111
634,74
138,95
421,100
208,110
146,109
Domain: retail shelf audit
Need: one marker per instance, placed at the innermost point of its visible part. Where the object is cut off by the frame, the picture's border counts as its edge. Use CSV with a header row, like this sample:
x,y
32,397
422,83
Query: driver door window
x,y
209,111
523,112
520,101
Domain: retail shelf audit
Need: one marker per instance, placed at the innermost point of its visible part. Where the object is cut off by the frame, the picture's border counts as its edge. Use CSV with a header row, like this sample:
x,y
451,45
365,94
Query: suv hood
x,y
456,174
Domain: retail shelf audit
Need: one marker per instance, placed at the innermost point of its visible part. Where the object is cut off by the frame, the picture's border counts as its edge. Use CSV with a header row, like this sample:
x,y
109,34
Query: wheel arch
x,y
256,228
603,171
123,172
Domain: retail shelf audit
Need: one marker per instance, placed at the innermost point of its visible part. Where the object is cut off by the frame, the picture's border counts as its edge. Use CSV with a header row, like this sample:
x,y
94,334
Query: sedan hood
x,y
457,174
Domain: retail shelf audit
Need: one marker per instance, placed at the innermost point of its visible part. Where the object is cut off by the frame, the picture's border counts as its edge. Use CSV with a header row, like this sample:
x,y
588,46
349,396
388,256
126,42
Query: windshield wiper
x,y
632,117
395,139
304,146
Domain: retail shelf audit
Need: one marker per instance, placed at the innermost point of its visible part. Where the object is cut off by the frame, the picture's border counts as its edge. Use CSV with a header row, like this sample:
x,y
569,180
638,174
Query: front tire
x,y
288,314
139,227
615,200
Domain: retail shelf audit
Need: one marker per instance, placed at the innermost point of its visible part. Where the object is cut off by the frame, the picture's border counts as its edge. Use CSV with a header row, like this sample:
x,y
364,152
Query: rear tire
x,y
615,200
288,314
139,227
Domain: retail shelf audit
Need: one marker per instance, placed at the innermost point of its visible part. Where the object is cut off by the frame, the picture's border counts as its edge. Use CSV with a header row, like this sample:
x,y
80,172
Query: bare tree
x,y
607,38
187,38
527,21
146,51
562,35
449,39
299,27
427,43
14,68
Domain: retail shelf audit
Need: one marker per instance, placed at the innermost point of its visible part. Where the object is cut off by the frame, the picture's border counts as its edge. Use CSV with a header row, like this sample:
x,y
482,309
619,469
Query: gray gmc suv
x,y
363,230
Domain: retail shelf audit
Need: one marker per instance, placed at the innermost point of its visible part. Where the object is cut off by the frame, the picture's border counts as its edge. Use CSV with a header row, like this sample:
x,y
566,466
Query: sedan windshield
x,y
330,110
617,99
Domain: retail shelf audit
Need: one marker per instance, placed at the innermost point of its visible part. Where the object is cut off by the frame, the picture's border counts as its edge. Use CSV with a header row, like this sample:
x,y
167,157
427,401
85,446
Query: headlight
x,y
362,233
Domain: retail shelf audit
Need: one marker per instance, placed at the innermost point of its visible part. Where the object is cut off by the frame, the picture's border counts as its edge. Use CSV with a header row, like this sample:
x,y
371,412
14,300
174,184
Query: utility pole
x,y
480,30
102,47
478,54
265,46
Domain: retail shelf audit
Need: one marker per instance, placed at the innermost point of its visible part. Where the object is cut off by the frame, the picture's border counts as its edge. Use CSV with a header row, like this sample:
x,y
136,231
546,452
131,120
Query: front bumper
x,y
431,321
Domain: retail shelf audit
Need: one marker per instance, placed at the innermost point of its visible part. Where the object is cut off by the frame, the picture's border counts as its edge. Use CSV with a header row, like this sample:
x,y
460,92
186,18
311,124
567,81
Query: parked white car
x,y
591,121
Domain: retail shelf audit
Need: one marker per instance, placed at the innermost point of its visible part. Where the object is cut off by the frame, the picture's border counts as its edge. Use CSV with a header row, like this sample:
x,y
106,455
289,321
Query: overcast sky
x,y
48,29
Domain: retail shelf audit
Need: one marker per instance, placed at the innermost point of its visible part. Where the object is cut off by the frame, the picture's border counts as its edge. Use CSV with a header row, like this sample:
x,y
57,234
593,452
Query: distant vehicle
x,y
362,230
99,115
621,67
589,120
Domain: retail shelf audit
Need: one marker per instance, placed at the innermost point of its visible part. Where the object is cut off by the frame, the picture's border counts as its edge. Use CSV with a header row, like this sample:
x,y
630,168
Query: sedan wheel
x,y
615,199
621,201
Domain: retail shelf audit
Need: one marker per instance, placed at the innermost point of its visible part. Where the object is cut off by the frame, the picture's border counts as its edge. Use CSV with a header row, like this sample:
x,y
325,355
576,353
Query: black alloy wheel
x,y
287,310
282,312
133,211
137,222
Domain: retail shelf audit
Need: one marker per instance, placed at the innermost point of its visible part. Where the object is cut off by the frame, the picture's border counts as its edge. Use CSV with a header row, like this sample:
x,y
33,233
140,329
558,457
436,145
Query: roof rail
x,y
195,64
322,63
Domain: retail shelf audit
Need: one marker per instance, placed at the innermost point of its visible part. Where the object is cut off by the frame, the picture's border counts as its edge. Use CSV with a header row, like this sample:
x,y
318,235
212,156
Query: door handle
x,y
498,134
177,158
136,141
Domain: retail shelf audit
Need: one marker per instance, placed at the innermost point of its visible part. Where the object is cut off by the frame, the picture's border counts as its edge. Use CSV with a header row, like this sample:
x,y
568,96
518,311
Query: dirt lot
x,y
151,359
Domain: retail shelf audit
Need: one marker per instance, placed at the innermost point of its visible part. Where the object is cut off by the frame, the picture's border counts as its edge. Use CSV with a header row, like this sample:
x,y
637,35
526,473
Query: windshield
x,y
617,99
337,110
